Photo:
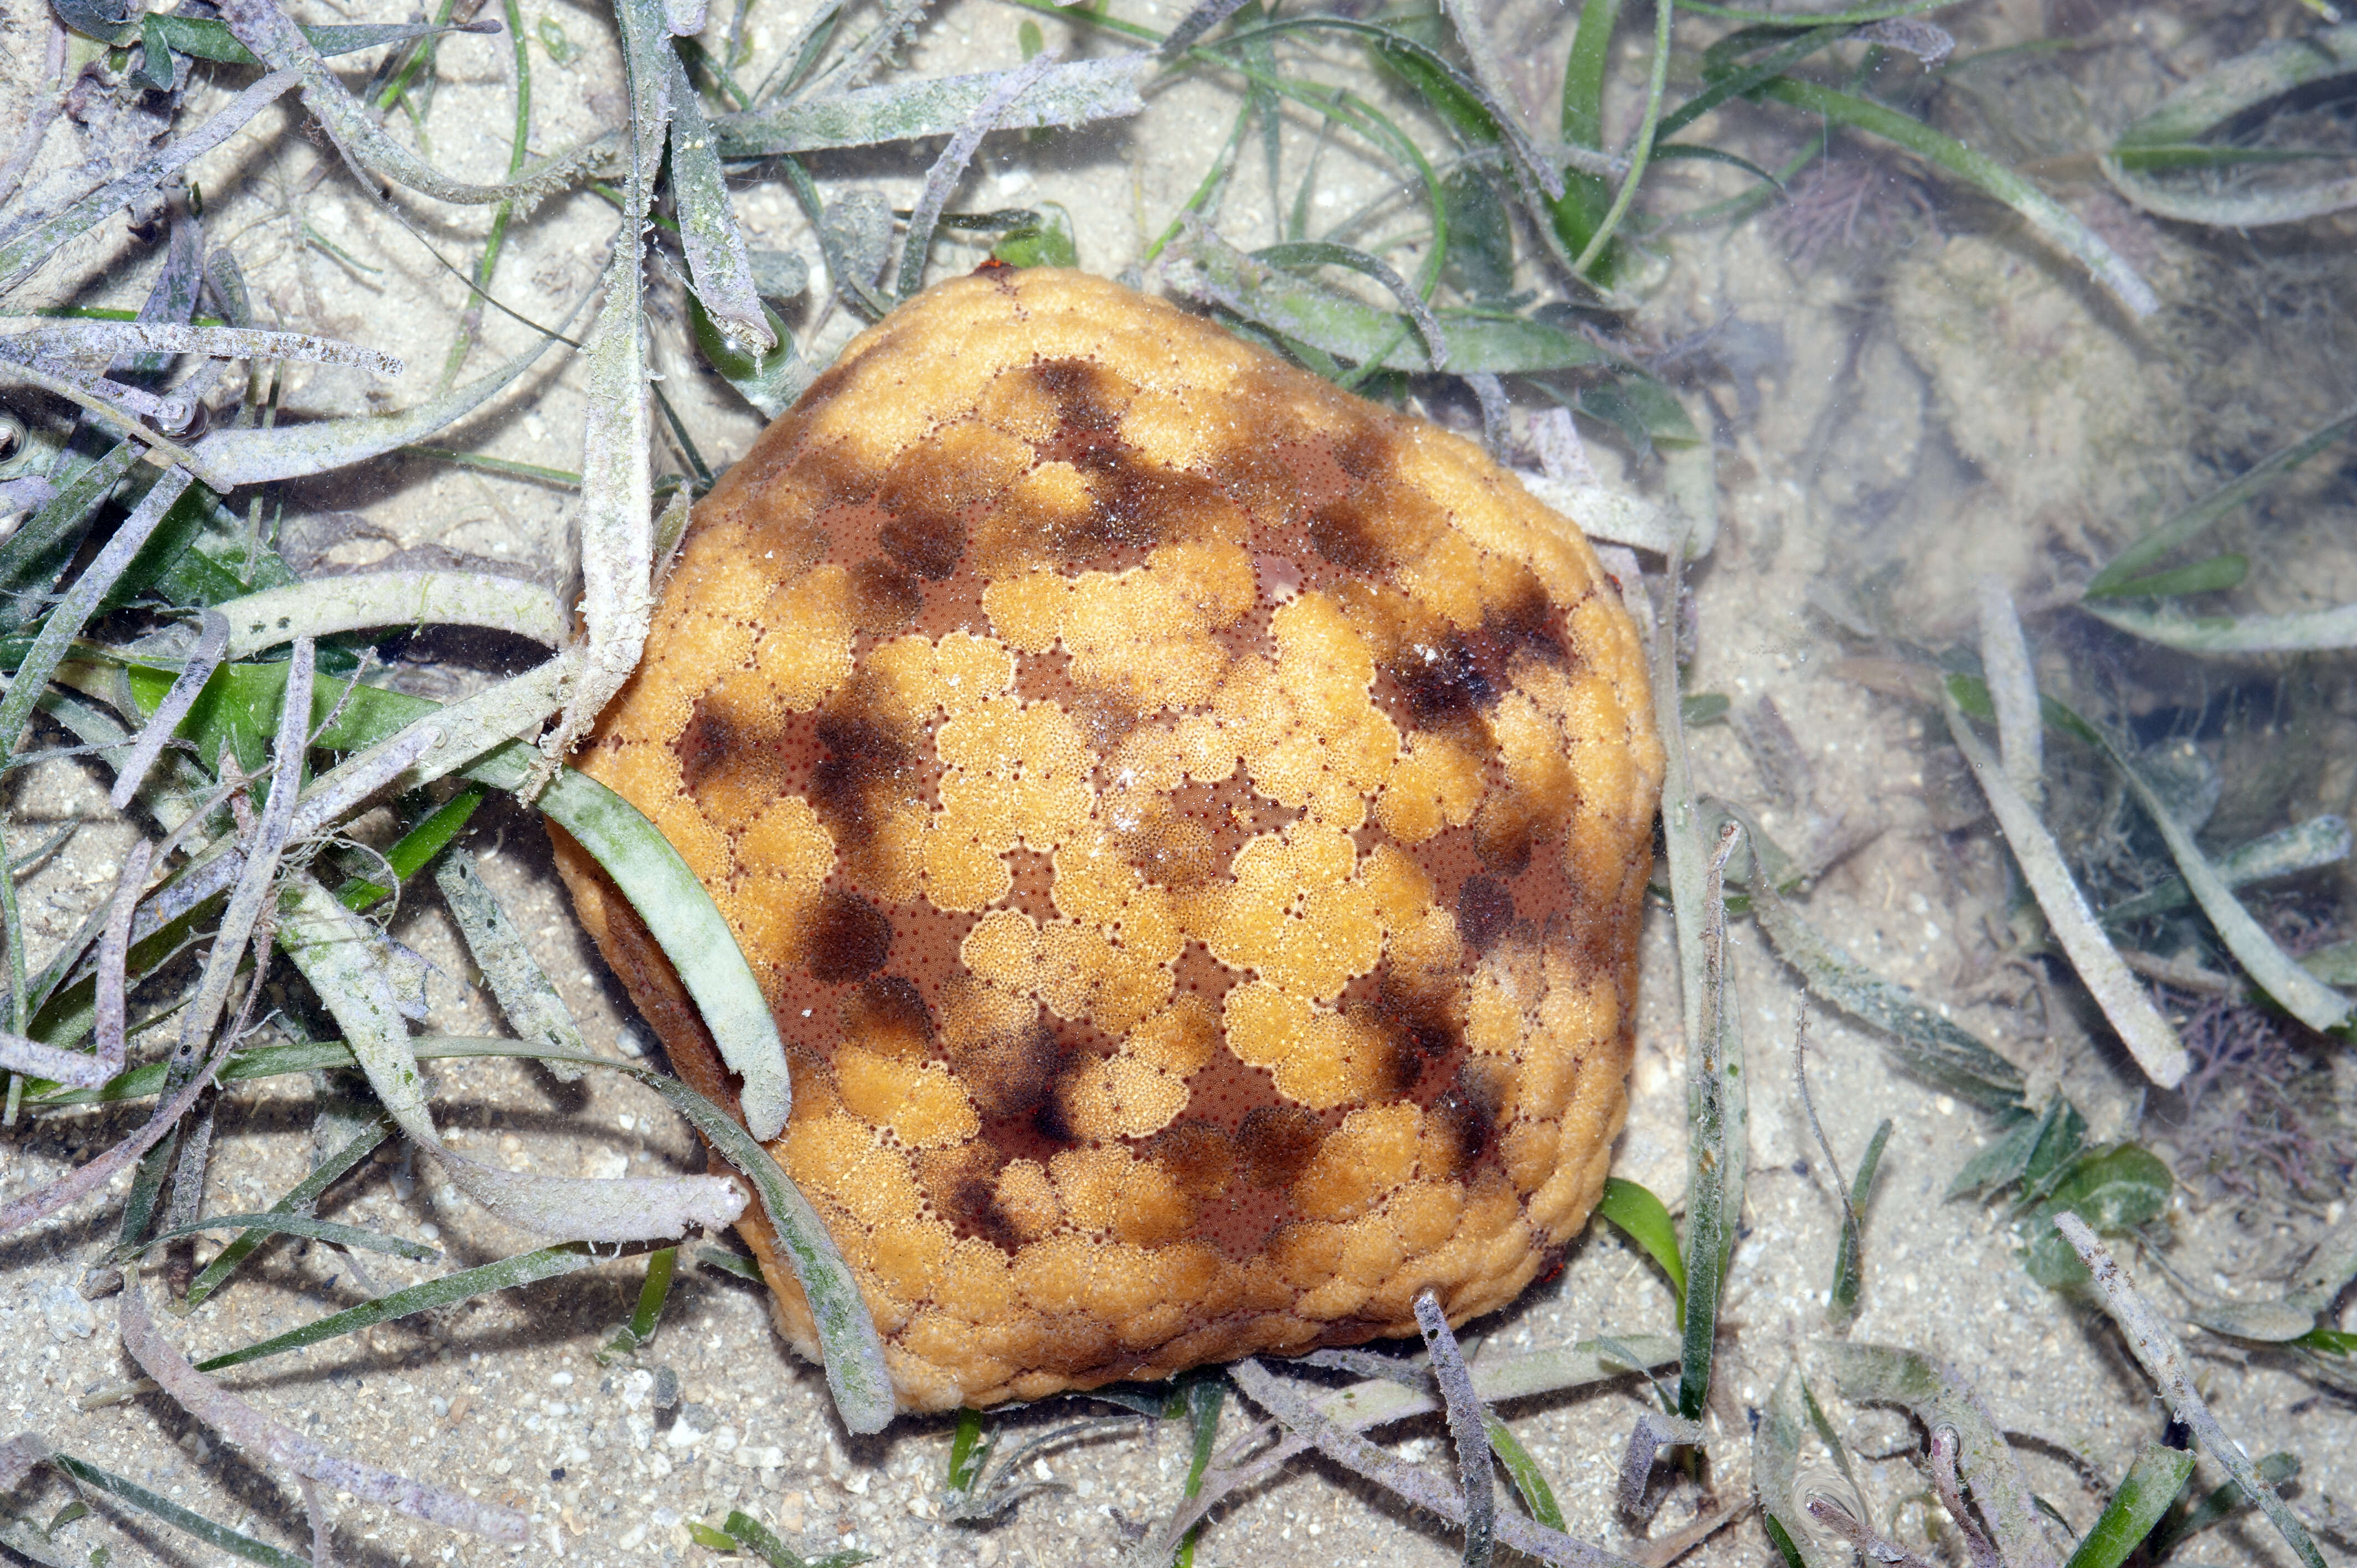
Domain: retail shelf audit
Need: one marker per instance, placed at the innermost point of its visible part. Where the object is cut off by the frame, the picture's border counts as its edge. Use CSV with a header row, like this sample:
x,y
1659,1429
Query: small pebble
x,y
64,1311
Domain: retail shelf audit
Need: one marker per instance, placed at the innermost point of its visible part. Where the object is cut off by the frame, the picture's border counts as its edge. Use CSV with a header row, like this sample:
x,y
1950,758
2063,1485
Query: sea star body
x,y
1190,825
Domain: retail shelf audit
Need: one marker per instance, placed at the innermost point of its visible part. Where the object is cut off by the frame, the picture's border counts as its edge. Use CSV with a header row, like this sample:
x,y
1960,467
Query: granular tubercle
x,y
1189,823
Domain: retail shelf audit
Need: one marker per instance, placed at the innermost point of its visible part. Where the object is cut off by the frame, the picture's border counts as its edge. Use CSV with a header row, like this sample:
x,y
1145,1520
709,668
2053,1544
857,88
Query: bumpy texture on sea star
x,y
1189,823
